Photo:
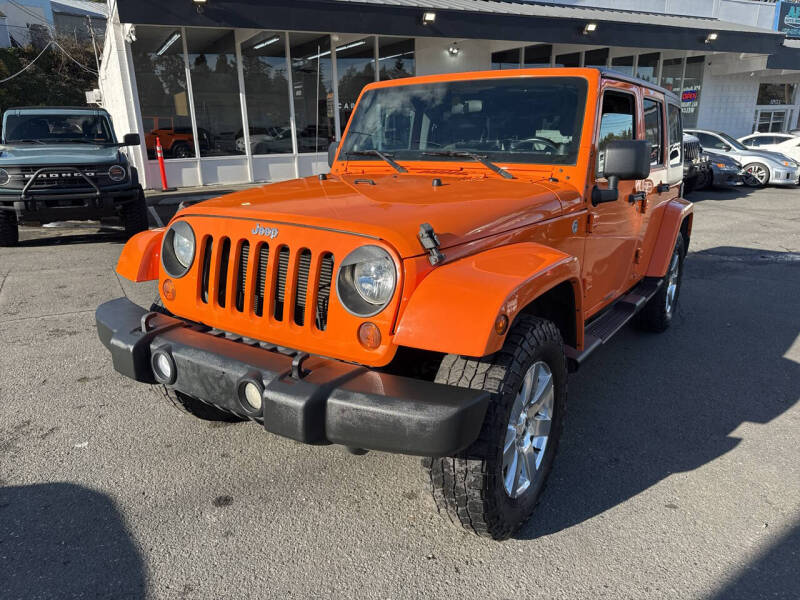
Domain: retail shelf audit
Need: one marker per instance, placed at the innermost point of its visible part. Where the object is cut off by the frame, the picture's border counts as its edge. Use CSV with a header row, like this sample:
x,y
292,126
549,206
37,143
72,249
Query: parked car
x,y
59,164
722,172
765,167
258,135
783,143
421,299
177,141
695,168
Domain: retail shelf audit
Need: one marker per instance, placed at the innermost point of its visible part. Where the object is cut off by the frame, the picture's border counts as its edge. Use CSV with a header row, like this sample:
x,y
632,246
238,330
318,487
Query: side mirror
x,y
332,149
726,148
624,160
131,139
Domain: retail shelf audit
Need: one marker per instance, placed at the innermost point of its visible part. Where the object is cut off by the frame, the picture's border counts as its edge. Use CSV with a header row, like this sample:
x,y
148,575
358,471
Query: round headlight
x,y
117,173
4,177
367,281
178,249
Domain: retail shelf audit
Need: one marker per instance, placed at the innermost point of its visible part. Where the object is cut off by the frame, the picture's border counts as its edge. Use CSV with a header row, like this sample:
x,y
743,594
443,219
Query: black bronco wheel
x,y
657,315
196,408
9,232
493,487
134,215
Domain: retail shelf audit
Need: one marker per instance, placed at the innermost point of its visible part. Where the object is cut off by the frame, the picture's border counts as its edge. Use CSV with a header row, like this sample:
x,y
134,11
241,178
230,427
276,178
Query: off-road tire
x,y
654,316
468,488
689,184
196,408
182,150
9,231
134,215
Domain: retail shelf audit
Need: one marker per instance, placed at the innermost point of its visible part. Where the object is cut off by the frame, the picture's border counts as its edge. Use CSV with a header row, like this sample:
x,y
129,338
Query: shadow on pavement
x,y
60,540
773,575
733,193
647,406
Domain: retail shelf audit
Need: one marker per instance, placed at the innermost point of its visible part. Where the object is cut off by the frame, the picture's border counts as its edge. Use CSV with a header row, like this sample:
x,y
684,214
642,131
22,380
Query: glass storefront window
x,y
692,85
266,87
596,58
775,93
647,66
506,59
671,74
355,68
623,64
568,60
538,56
163,98
395,58
215,87
312,91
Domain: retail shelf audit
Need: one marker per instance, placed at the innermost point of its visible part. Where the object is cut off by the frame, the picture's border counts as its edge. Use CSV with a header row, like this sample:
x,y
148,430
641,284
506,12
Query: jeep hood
x,y
46,155
392,208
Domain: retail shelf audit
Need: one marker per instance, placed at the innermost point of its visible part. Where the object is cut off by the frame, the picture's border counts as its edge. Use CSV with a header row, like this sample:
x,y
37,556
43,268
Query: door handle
x,y
663,187
637,197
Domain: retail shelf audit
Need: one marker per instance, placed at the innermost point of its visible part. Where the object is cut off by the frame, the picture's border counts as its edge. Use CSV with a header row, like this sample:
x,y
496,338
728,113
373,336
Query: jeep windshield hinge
x,y
430,241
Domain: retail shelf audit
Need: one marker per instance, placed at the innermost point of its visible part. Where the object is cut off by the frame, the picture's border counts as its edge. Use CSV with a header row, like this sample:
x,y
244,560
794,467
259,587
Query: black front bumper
x,y
79,205
316,401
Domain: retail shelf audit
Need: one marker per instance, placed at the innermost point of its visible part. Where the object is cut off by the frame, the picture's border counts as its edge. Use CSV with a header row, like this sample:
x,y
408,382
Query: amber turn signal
x,y
369,335
501,325
169,289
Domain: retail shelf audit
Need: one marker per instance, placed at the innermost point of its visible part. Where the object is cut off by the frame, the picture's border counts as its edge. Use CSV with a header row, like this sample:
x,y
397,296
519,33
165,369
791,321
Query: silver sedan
x,y
765,167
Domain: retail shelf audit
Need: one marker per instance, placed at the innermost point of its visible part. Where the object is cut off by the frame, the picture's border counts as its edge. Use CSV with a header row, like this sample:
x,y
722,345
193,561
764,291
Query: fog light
x,y
252,395
163,367
369,335
169,289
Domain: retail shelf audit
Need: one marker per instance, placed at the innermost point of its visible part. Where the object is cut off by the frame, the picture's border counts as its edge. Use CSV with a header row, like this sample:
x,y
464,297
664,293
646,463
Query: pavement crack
x,y
64,314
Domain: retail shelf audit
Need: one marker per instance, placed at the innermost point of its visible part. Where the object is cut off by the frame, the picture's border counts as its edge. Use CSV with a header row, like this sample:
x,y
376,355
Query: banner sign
x,y
787,18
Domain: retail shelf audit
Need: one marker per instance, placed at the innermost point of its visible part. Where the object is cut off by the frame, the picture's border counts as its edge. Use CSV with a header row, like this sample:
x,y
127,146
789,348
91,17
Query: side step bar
x,y
614,318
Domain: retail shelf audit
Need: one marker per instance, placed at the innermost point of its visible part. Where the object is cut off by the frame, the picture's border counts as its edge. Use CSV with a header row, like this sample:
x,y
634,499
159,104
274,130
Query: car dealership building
x,y
241,91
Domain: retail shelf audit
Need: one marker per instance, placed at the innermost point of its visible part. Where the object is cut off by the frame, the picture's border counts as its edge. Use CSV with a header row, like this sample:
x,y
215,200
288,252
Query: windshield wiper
x,y
476,157
382,155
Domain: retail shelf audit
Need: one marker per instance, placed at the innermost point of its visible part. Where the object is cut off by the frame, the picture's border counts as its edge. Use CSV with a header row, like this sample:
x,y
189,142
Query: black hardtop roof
x,y
612,74
81,108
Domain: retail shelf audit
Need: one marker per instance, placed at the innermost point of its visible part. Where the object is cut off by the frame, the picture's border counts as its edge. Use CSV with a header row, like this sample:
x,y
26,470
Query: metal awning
x,y
476,19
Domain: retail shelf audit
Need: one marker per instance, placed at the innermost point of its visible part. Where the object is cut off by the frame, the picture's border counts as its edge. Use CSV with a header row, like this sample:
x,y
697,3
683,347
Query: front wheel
x,y
492,488
134,215
759,175
9,230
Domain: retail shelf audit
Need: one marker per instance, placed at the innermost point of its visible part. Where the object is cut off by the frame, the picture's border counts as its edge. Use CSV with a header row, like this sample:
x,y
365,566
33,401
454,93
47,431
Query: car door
x,y
613,228
662,129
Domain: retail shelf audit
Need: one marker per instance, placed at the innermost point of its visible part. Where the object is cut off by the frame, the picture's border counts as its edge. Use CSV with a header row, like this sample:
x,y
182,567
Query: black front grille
x,y
264,295
64,178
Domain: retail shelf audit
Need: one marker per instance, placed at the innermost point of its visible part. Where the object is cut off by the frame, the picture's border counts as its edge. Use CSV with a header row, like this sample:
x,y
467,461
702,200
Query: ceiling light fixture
x,y
428,17
589,28
454,49
711,37
265,43
166,45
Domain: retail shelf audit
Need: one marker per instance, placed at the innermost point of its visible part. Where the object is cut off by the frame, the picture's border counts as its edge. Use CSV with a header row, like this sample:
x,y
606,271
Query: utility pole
x,y
94,45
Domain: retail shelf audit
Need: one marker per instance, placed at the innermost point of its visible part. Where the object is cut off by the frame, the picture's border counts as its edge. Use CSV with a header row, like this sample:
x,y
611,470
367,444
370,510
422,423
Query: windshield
x,y
518,120
733,142
50,129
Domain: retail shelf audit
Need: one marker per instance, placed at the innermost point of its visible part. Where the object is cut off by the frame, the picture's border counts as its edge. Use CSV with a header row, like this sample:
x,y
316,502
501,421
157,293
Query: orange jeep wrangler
x,y
478,237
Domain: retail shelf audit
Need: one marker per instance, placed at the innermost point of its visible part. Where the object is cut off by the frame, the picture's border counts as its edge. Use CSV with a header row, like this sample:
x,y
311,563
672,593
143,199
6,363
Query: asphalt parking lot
x,y
678,475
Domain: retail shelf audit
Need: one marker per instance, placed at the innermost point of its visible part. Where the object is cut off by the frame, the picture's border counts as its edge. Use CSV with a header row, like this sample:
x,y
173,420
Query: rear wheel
x,y
759,175
9,231
181,150
134,215
492,488
657,315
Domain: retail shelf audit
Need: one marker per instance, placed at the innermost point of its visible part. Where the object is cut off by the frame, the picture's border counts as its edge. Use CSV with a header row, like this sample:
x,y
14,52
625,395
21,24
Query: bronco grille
x,y
55,178
266,288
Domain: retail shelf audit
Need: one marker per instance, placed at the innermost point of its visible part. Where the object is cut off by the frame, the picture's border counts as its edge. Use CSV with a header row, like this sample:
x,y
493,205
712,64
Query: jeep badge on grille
x,y
270,232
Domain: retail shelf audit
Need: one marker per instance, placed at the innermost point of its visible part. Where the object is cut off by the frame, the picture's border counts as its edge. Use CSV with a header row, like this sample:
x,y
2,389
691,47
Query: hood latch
x,y
430,241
